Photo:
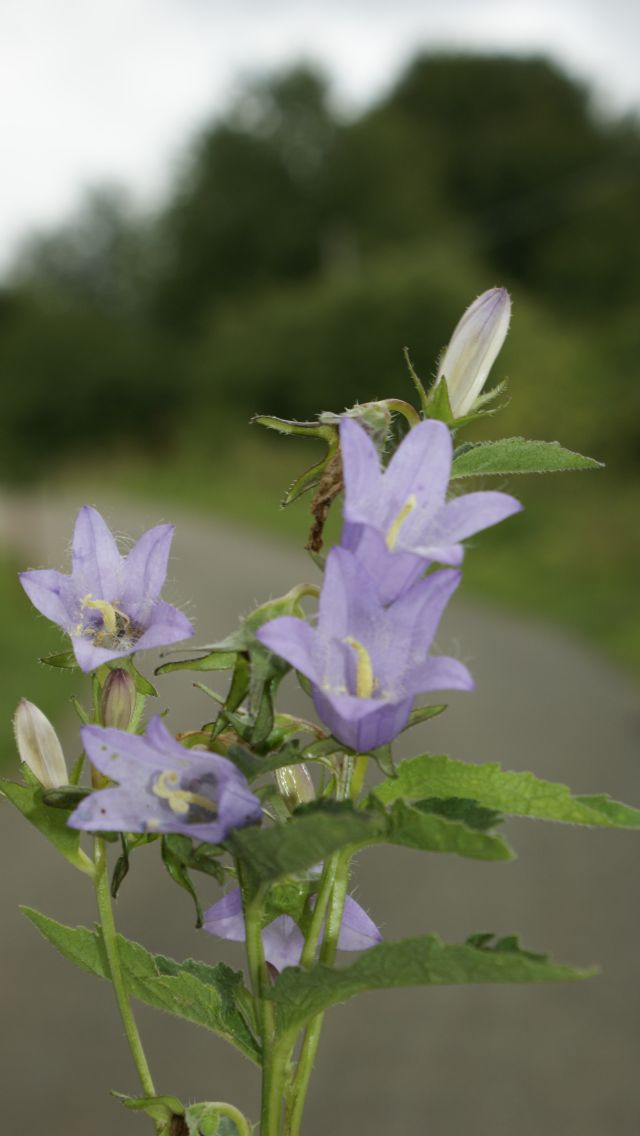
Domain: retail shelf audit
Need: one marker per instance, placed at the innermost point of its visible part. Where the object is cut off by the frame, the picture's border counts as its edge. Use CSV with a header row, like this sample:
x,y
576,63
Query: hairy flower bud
x,y
118,699
295,785
474,347
38,745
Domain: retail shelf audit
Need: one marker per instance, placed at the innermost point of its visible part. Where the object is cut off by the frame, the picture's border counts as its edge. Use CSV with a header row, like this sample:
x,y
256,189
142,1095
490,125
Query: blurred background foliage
x,y
297,252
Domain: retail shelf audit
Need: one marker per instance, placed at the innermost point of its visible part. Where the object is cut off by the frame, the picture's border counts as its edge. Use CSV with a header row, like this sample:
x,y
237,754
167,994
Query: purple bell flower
x,y
110,605
396,519
282,939
163,787
366,662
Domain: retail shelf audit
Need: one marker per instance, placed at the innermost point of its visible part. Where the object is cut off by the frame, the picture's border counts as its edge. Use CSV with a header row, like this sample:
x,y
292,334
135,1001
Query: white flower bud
x,y
295,785
474,347
38,746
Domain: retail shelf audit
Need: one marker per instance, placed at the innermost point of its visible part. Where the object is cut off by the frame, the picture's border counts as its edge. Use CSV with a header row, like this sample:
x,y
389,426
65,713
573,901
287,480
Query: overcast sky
x,y
111,90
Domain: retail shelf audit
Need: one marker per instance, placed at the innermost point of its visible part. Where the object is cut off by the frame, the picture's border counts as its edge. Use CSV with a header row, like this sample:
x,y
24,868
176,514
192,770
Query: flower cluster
x,y
368,657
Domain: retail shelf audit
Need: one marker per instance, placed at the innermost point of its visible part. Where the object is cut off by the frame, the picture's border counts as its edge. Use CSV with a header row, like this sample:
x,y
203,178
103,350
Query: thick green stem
x,y
331,900
107,924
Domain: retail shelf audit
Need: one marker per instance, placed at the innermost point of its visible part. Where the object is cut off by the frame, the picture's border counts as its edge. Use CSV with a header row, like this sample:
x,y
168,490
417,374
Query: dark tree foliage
x,y
298,250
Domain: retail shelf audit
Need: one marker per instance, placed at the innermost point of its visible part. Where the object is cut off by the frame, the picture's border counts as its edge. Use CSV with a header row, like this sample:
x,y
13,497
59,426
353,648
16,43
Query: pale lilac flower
x,y
163,787
366,662
110,605
282,939
39,746
474,347
397,520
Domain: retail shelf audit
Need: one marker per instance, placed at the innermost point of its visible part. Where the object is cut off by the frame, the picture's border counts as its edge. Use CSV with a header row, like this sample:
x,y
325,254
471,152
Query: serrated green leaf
x,y
518,455
312,833
424,961
51,822
210,996
458,808
413,827
516,794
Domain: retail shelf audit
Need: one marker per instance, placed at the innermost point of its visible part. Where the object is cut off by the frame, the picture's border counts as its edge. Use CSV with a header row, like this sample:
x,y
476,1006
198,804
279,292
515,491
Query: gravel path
x,y
551,1060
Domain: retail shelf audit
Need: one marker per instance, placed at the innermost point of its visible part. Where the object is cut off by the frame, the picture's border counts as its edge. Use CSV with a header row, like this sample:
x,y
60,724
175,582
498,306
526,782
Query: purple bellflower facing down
x,y
163,787
110,605
397,520
366,662
473,349
282,939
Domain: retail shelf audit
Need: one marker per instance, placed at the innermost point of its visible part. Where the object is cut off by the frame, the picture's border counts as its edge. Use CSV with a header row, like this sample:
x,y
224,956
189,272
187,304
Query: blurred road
x,y
496,1060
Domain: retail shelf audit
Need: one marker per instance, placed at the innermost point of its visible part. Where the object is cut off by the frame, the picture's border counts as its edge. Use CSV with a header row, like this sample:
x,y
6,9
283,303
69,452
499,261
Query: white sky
x,y
111,90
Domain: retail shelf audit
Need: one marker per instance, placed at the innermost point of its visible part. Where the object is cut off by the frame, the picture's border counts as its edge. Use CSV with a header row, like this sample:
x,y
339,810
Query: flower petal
x,y
362,724
420,467
166,624
463,517
439,673
225,918
97,564
294,640
360,462
358,932
90,657
117,810
283,942
145,570
53,594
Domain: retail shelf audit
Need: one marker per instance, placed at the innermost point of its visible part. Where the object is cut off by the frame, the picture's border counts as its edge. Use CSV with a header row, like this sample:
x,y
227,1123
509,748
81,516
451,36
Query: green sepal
x,y
289,897
439,405
253,766
142,684
417,382
162,1110
176,854
210,996
517,455
80,710
383,757
51,822
214,660
424,961
515,794
120,868
62,659
65,797
423,714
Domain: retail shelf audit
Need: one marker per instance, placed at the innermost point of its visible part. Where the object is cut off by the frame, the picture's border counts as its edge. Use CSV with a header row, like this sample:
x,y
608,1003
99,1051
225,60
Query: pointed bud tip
x,y
118,699
39,746
474,347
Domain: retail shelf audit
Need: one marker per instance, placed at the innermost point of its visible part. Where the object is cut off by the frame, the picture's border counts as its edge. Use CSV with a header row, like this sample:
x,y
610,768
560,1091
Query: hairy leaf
x,y
50,821
424,961
516,794
518,455
415,827
209,996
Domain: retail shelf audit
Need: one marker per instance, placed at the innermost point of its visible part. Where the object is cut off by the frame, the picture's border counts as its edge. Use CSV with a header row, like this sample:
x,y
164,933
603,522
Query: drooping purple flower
x,y
397,520
163,787
282,939
366,662
110,605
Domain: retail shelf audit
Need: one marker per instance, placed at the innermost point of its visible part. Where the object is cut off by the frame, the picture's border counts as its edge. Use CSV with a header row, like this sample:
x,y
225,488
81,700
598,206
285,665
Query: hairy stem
x,y
107,924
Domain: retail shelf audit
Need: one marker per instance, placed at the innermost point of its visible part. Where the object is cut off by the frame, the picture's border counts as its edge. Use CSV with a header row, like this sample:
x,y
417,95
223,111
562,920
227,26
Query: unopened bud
x,y
118,699
38,746
474,347
295,785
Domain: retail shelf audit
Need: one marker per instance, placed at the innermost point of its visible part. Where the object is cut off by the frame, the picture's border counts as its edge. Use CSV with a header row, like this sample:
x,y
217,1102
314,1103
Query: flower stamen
x,y
365,678
110,613
396,525
180,800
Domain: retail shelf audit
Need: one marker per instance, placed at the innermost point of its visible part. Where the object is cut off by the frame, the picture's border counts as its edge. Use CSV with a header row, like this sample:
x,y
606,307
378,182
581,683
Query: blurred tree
x,y
249,208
